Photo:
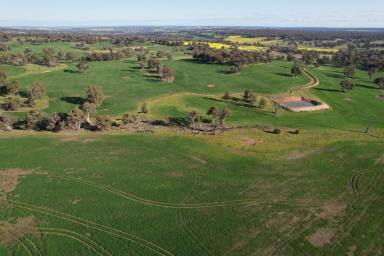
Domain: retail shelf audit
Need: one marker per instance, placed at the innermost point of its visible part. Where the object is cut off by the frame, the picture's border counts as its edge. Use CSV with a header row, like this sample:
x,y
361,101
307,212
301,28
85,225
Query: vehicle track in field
x,y
365,200
89,224
153,203
90,244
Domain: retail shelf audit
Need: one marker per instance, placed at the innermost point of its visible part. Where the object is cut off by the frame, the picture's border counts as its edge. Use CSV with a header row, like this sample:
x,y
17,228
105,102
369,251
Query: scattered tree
x,y
193,116
224,114
249,97
371,72
75,118
83,66
126,119
262,103
144,109
296,70
95,95
37,92
380,82
349,71
227,96
3,77
14,103
103,123
167,74
88,109
346,85
213,112
33,119
13,87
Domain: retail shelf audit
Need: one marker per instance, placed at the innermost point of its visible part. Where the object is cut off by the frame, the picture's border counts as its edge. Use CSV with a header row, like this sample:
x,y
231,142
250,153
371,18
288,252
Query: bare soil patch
x,y
12,233
332,210
380,160
251,142
292,155
10,178
322,237
199,159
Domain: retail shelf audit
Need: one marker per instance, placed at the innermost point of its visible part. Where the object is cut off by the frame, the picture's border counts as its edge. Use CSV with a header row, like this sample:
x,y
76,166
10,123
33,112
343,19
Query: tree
x,y
83,66
14,103
13,87
94,95
103,123
213,112
6,122
227,96
380,82
346,85
349,71
249,97
296,70
75,118
37,92
262,103
144,109
88,109
236,67
193,116
33,119
224,114
126,119
167,74
371,72
52,123
3,77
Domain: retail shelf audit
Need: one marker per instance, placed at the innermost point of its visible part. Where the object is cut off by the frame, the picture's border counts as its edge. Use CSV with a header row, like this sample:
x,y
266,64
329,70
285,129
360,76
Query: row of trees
x,y
49,58
218,116
236,58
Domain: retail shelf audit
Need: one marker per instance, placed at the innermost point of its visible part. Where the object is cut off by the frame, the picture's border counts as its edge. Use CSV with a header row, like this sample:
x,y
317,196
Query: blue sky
x,y
286,13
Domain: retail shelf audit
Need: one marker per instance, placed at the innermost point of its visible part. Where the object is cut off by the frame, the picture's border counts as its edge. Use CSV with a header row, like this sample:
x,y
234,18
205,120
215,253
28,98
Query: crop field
x,y
251,40
320,50
244,191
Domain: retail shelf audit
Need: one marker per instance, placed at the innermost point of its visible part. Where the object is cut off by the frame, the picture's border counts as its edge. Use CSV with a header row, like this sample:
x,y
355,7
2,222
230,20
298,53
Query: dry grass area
x,y
10,178
13,233
322,237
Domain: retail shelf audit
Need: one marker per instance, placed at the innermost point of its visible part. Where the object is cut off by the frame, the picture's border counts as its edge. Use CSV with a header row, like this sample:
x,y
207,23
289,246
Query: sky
x,y
270,13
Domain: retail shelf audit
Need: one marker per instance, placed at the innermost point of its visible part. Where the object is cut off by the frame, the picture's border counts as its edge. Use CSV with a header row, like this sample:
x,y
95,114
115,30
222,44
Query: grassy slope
x,y
351,110
126,86
176,169
289,177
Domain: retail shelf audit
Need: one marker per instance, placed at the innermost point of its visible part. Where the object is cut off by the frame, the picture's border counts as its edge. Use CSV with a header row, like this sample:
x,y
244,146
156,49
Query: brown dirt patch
x,y
352,250
251,142
10,178
199,159
322,237
12,233
292,155
380,160
76,201
332,210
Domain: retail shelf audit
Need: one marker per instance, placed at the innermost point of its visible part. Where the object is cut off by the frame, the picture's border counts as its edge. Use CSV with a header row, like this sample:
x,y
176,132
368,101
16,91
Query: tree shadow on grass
x,y
234,101
367,86
332,75
73,100
179,121
283,74
327,90
71,71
